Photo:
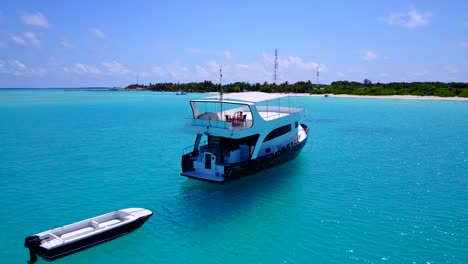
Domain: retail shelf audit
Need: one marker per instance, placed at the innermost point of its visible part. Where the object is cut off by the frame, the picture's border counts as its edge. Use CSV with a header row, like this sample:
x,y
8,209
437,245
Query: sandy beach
x,y
393,97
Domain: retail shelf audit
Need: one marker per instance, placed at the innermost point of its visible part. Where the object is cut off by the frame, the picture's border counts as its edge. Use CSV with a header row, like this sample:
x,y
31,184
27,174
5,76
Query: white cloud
x,y
451,69
213,66
18,40
106,68
370,55
295,62
179,72
210,71
36,19
19,65
310,66
86,69
29,38
411,19
201,72
66,43
32,37
227,55
176,72
417,19
462,45
418,73
98,33
291,68
267,58
157,69
115,67
251,72
19,69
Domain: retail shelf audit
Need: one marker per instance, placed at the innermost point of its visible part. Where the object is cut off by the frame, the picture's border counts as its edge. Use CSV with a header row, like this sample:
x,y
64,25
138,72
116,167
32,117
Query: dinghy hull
x,y
59,252
61,242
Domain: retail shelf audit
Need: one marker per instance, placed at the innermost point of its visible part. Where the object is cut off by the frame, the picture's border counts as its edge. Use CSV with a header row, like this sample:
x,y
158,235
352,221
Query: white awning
x,y
252,97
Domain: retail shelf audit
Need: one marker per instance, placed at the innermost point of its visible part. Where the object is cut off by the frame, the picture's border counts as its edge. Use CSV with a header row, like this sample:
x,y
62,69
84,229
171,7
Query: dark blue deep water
x,y
380,181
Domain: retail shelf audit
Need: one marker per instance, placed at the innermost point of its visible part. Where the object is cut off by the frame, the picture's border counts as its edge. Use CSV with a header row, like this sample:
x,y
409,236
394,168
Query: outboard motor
x,y
32,243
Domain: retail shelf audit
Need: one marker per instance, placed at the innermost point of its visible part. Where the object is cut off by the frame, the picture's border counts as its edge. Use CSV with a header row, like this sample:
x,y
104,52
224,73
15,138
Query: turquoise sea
x,y
380,181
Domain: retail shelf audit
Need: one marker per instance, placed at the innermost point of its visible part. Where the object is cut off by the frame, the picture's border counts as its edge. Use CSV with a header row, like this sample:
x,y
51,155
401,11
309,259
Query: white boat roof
x,y
251,97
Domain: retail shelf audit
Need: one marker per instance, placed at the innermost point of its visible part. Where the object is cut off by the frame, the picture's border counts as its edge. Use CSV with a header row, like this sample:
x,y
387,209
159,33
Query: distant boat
x,y
69,239
240,134
181,93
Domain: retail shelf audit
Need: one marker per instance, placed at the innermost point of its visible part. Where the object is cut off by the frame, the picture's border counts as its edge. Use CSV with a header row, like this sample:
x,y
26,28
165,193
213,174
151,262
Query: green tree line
x,y
338,87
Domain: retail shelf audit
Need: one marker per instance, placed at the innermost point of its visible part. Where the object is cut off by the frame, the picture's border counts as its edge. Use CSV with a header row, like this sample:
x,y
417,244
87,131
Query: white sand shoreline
x,y
392,97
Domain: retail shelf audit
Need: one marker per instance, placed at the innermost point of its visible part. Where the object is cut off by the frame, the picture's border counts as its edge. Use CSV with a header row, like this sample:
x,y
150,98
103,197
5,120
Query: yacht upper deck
x,y
239,111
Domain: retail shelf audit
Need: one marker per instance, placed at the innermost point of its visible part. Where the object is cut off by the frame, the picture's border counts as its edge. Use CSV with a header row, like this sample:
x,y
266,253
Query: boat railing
x,y
189,149
222,124
272,112
271,116
211,123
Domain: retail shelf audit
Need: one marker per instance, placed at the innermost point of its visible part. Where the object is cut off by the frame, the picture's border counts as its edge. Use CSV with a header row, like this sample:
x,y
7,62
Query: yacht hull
x,y
245,168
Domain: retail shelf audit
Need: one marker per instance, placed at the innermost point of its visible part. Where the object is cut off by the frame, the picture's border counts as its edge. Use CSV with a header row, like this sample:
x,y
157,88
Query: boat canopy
x,y
250,97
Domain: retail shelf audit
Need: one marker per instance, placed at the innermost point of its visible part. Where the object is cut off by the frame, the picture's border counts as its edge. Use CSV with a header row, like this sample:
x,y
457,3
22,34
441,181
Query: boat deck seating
x,y
77,233
95,224
53,236
238,119
109,223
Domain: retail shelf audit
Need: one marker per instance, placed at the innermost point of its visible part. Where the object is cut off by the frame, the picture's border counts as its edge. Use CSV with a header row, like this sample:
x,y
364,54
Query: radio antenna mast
x,y
275,76
318,75
221,83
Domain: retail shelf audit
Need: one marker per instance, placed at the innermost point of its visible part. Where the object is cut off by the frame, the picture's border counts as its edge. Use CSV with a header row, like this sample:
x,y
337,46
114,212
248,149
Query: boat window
x,y
296,124
278,132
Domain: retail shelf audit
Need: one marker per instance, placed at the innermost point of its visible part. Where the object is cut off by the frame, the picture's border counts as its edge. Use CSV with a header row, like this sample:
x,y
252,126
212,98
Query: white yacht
x,y
238,134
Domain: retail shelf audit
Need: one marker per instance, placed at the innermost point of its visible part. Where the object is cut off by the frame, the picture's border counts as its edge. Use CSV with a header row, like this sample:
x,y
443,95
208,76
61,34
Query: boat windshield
x,y
220,110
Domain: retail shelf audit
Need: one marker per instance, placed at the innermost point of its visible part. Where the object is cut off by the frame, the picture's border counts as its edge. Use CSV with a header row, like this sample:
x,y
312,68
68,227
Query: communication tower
x,y
318,75
221,84
275,76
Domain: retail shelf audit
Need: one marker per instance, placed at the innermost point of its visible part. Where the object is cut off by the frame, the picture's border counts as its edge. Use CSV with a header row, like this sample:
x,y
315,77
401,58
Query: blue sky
x,y
112,43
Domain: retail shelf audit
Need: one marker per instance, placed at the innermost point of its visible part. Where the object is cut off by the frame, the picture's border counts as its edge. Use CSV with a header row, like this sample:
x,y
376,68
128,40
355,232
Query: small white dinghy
x,y
68,239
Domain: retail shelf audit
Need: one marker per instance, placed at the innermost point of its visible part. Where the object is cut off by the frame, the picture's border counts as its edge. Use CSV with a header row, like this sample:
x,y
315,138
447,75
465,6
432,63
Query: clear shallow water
x,y
380,181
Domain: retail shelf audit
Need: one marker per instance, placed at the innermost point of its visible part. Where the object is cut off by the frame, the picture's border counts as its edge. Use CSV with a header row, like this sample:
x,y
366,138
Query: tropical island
x,y
440,89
